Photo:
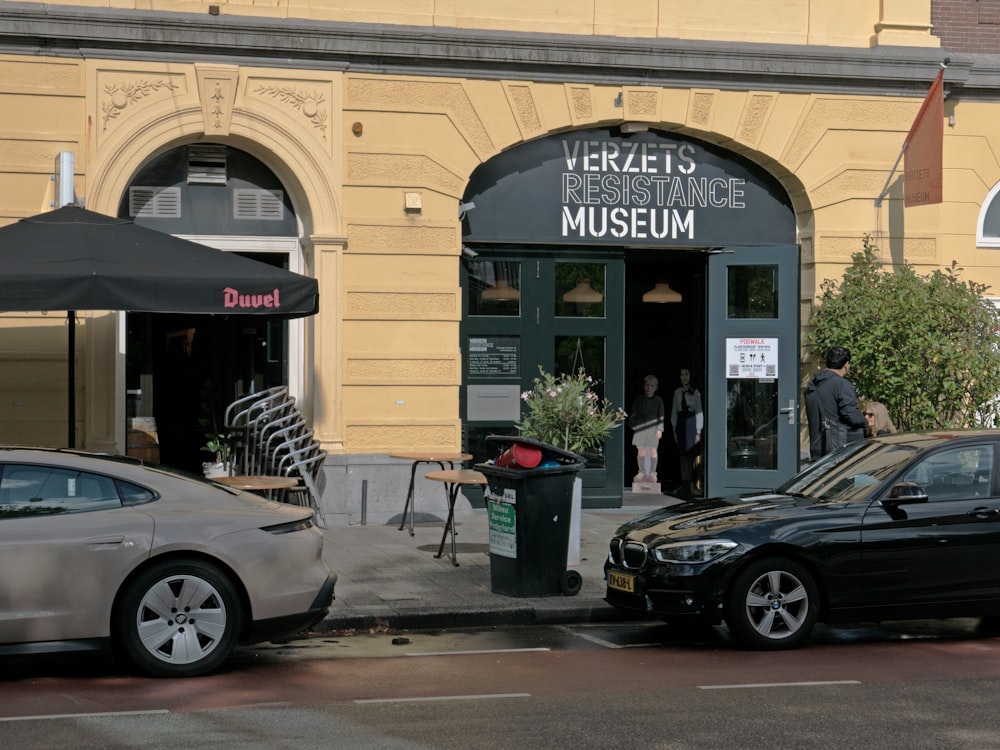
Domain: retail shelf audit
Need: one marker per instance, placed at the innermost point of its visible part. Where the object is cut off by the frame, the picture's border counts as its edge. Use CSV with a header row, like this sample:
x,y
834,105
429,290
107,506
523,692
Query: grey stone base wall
x,y
371,489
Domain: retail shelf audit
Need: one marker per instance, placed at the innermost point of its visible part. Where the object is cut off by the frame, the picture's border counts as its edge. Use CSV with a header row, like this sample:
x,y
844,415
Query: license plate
x,y
621,582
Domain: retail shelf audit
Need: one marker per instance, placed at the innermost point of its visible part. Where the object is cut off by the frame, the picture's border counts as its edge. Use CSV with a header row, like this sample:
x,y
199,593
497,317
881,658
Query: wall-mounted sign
x,y
494,356
597,187
752,358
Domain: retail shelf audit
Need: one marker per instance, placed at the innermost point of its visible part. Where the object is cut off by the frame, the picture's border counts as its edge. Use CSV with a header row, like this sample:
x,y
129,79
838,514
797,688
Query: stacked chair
x,y
270,436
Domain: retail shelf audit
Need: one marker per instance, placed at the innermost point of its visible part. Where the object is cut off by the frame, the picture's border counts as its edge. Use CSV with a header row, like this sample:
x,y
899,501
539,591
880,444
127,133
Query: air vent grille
x,y
154,202
206,164
262,205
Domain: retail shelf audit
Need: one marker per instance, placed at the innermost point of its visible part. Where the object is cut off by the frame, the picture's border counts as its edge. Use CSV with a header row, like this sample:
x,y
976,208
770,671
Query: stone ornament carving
x,y
217,90
118,96
310,104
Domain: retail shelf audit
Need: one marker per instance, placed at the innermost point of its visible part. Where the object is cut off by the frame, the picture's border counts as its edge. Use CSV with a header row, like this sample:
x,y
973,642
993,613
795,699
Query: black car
x,y
898,527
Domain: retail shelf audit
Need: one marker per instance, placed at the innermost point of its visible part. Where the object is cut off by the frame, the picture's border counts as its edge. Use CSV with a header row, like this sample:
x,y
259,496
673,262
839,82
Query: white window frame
x,y
981,239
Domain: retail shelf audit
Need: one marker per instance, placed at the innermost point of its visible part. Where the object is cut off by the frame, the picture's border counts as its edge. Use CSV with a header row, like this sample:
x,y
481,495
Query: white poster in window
x,y
750,358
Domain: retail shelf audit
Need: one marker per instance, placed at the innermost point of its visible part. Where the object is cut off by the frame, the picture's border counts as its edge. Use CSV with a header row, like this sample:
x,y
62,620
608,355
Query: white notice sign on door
x,y
749,358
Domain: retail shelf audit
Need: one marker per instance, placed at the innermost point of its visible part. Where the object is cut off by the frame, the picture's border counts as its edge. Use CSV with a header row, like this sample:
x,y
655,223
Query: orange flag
x,y
922,150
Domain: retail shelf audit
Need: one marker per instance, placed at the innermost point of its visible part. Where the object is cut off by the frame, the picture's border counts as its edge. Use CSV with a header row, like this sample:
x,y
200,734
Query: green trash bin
x,y
529,518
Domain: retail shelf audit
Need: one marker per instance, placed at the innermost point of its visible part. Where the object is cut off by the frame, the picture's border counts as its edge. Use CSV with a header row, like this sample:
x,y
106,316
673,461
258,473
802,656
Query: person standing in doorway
x,y
688,420
832,406
647,420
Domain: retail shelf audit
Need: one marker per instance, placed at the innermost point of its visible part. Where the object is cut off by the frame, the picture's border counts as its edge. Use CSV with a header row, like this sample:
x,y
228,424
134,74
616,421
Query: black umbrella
x,y
73,259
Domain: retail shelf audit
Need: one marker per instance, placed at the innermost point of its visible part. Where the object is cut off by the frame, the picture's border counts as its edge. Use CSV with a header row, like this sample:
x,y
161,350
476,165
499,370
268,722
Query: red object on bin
x,y
520,455
526,456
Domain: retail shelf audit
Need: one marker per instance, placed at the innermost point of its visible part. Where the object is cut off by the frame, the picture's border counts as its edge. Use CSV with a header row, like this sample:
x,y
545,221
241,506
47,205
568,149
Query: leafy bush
x,y
925,346
565,412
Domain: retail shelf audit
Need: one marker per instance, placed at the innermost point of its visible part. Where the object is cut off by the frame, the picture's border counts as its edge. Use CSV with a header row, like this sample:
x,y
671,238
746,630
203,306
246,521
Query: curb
x,y
438,619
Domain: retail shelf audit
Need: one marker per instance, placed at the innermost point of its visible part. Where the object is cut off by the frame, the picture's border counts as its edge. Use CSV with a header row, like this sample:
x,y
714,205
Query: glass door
x,y
752,440
561,313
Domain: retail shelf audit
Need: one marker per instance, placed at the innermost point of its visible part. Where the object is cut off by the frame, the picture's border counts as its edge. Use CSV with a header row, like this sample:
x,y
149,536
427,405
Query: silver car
x,y
168,570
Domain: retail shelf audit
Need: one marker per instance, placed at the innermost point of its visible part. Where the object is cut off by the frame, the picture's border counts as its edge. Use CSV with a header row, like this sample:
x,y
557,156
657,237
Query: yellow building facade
x,y
374,116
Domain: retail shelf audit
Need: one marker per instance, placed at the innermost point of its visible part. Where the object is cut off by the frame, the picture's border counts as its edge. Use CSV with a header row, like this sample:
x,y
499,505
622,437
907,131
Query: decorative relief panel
x,y
581,105
387,438
387,169
641,103
847,185
394,95
844,114
700,111
32,154
119,92
754,118
805,312
307,100
522,103
37,76
400,305
835,248
923,249
391,238
806,251
366,370
217,86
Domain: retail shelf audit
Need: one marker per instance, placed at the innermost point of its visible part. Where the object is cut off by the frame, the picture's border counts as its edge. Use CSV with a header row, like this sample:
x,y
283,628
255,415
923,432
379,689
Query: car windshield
x,y
851,473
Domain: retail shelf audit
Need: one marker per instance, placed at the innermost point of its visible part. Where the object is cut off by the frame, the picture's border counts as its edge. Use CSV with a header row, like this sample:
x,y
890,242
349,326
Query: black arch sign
x,y
595,187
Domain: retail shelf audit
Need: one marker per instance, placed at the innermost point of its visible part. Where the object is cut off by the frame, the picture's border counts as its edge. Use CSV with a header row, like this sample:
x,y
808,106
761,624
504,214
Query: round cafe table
x,y
454,480
424,457
258,482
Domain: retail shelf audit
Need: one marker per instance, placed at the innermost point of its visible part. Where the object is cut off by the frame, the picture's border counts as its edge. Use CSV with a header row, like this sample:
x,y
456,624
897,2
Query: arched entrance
x,y
182,370
630,212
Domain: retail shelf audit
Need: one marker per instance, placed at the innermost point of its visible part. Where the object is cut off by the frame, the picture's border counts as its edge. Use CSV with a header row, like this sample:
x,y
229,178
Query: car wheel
x,y
773,604
179,619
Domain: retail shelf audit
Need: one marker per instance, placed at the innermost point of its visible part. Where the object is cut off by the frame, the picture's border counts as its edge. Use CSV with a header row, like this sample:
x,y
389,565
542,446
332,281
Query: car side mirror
x,y
906,492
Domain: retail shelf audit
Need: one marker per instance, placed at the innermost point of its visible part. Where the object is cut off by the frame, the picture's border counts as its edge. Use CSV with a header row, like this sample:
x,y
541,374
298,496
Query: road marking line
x,y
819,683
487,696
604,643
481,651
97,715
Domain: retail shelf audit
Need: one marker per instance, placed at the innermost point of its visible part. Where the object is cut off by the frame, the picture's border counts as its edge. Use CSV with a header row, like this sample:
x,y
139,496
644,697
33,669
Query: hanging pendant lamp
x,y
662,293
583,293
502,291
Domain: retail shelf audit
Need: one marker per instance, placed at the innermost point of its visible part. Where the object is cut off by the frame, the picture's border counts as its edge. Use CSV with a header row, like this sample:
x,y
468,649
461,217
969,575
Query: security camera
x,y
464,208
468,252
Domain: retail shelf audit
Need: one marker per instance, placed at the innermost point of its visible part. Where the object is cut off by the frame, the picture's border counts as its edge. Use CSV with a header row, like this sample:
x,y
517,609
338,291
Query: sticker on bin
x,y
509,496
503,529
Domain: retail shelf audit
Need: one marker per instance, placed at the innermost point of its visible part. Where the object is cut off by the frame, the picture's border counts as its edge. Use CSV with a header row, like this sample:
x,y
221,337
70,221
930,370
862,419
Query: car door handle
x,y
983,512
104,541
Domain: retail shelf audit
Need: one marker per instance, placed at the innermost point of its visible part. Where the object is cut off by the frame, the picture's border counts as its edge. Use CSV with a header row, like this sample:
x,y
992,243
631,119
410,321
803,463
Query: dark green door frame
x,y
541,329
752,380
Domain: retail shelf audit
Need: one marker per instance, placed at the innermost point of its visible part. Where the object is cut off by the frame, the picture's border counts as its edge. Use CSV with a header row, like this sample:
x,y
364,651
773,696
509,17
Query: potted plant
x,y
564,411
217,443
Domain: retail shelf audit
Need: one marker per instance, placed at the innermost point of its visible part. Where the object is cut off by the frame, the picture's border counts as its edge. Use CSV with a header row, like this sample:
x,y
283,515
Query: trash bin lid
x,y
545,449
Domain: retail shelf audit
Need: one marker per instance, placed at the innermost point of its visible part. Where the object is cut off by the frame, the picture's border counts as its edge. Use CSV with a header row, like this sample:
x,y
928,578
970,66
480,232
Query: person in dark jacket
x,y
687,419
832,406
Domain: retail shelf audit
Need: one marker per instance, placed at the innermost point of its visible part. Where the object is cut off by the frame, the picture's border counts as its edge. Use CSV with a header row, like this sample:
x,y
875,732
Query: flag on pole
x,y
922,150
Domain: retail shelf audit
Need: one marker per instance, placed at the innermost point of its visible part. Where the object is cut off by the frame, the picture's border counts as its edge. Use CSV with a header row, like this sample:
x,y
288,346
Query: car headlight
x,y
701,551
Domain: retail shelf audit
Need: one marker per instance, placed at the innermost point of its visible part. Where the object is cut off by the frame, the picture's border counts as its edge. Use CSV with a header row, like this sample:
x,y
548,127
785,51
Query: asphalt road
x,y
907,685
